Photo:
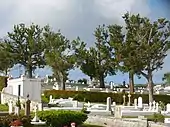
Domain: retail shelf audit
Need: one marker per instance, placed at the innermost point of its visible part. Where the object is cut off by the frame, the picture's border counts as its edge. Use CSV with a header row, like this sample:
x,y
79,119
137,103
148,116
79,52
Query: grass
x,y
89,125
3,107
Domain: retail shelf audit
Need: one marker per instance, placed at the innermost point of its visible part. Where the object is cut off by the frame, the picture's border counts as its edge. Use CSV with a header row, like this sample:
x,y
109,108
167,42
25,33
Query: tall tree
x,y
26,45
58,55
97,62
6,60
151,43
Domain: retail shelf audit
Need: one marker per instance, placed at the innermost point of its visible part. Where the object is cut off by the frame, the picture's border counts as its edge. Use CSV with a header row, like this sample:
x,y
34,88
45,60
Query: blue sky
x,y
79,18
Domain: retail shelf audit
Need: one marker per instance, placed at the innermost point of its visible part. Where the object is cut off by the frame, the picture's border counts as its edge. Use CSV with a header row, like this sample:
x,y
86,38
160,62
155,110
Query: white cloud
x,y
73,17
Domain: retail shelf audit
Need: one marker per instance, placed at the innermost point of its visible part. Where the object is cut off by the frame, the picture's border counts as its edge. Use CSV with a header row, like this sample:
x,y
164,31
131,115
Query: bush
x,y
6,120
100,96
61,118
157,117
3,107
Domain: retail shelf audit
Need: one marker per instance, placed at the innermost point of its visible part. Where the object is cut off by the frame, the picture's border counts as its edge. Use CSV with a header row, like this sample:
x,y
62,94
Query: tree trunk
x,y
150,87
101,79
131,82
62,81
29,71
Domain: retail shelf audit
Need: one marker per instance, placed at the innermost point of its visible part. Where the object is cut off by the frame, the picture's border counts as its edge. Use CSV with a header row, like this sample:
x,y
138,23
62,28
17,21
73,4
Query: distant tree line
x,y
137,48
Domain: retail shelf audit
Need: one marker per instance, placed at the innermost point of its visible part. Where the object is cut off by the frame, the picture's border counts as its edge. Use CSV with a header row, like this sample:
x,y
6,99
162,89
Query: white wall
x,y
28,86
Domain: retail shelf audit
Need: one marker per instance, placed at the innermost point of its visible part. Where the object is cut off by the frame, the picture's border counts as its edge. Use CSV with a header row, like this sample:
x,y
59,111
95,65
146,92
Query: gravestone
x,y
150,106
168,107
10,110
77,88
154,106
135,103
27,107
118,112
140,102
157,107
51,98
35,119
124,100
75,104
109,101
129,96
17,110
114,103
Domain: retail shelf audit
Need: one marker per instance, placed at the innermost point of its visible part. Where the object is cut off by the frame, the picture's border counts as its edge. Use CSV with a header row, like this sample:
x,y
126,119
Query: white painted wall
x,y
28,86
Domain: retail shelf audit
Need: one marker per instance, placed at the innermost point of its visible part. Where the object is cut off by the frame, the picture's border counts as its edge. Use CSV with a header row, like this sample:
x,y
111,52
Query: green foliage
x,y
6,120
157,117
146,46
61,118
101,97
3,107
166,78
97,62
58,55
26,46
3,81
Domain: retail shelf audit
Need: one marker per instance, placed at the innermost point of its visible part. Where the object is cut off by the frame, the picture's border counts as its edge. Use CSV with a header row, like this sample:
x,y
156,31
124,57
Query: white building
x,y
23,87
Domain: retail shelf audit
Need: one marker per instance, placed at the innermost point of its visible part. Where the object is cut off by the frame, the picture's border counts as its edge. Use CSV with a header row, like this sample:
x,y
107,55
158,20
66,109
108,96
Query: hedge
x,y
100,96
62,118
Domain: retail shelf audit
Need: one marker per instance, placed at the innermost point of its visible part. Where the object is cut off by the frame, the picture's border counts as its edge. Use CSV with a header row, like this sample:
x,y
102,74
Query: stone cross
x,y
150,106
129,96
35,119
135,103
154,105
124,100
109,101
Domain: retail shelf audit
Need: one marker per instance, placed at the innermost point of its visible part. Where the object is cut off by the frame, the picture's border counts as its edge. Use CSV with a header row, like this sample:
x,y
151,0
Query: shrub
x,y
100,96
5,121
61,118
3,107
156,117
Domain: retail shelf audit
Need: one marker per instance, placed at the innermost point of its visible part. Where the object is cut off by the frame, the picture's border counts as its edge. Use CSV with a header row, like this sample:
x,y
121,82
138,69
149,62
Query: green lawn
x,y
89,125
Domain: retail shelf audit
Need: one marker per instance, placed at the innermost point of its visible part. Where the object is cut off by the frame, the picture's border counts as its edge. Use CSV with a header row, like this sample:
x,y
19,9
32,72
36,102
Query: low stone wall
x,y
112,122
6,98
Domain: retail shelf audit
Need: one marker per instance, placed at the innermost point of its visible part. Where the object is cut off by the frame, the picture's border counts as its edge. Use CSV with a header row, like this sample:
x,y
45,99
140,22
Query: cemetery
x,y
108,111
137,48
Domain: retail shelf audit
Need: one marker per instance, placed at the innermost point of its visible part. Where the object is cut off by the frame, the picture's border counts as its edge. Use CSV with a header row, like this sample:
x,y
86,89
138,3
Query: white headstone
x,y
150,106
111,86
118,112
51,98
140,102
35,119
135,103
157,107
75,104
17,110
10,107
56,86
114,103
154,105
77,88
109,101
168,107
40,107
88,104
